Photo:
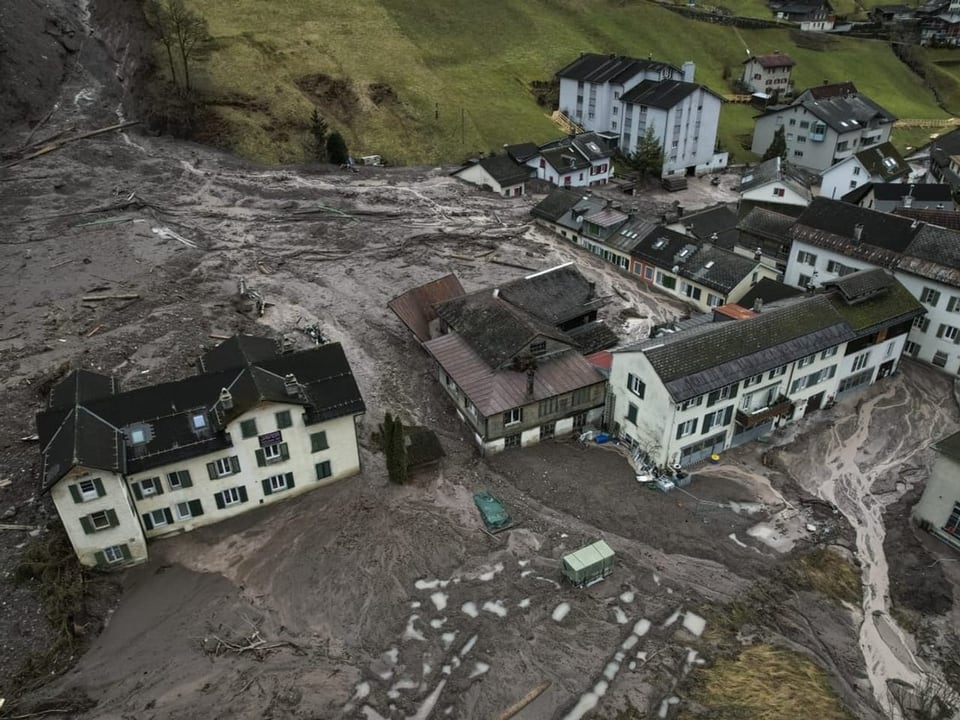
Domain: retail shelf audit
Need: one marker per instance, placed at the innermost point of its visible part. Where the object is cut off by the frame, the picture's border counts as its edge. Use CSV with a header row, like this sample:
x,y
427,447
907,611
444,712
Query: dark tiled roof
x,y
505,170
717,268
944,218
663,94
925,192
846,113
949,446
238,351
415,307
595,68
554,296
565,159
522,151
766,223
830,90
663,247
718,220
325,388
81,385
884,161
768,291
776,170
934,253
855,196
557,204
774,60
630,235
860,286
593,336
872,299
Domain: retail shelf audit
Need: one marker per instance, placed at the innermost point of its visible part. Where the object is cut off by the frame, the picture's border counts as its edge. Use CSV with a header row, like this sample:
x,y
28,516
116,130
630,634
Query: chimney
x,y
858,233
689,68
226,399
290,384
679,210
757,254
758,305
908,200
531,374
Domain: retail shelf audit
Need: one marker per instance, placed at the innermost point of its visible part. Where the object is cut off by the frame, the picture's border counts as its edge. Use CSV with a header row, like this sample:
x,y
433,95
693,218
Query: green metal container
x,y
589,564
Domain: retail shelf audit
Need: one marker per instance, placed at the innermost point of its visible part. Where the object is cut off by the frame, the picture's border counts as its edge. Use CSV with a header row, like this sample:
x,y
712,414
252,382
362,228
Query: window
x,y
323,470
853,184
248,428
952,525
839,268
158,517
100,520
512,417
691,403
804,280
860,362
318,441
803,362
723,393
511,441
798,153
921,323
777,372
940,359
714,300
717,418
930,296
277,483
179,479
538,348
138,436
779,192
954,304
114,554
583,395
223,467
648,273
911,348
755,380
793,122
829,352
188,510
806,258
284,420
856,170
801,138
199,421
271,453
686,428
948,332
230,496
85,490
148,487
804,124
636,385
631,413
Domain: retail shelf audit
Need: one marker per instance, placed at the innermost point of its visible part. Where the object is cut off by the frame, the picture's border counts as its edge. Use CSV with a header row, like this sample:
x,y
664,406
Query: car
x,y
495,516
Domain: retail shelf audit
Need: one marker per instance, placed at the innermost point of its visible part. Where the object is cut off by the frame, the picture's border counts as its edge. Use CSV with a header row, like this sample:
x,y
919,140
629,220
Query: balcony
x,y
817,136
747,420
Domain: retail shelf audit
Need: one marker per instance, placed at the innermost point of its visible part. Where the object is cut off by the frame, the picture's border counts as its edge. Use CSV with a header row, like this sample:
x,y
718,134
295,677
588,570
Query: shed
x,y
589,564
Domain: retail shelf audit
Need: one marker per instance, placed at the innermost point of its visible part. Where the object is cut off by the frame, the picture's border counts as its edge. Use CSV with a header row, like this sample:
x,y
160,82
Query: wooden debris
x,y
219,337
4,526
98,298
30,438
524,701
93,332
61,264
63,143
513,265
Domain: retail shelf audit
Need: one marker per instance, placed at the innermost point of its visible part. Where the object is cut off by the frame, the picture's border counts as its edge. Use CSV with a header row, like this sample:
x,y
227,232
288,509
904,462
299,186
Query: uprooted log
x,y
253,644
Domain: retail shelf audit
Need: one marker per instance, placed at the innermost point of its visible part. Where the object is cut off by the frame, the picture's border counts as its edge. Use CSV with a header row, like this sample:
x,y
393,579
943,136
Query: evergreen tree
x,y
317,147
398,453
337,149
648,158
778,146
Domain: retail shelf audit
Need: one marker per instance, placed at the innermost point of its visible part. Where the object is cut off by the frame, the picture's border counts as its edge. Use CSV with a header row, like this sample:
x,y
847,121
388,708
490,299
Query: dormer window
x,y
138,436
199,421
538,348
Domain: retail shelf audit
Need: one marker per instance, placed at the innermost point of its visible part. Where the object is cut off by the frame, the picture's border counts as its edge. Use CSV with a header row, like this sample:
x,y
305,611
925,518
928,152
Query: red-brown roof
x,y
415,306
602,360
496,391
774,60
734,311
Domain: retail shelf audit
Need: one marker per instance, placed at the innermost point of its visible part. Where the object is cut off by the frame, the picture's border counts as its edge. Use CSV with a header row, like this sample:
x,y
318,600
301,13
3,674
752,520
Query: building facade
x,y
938,511
880,164
768,74
255,427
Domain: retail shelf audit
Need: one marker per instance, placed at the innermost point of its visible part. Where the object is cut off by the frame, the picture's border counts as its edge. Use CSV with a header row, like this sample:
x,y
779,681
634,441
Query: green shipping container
x,y
589,564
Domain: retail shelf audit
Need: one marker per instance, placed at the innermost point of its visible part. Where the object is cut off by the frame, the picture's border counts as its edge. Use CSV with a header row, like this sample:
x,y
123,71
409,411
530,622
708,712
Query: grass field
x,y
458,80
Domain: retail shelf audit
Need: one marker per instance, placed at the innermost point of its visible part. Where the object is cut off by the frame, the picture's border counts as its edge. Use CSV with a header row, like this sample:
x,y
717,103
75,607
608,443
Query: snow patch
x,y
672,619
525,573
411,633
560,612
495,607
468,646
694,623
470,608
524,604
627,597
611,670
361,691
391,656
430,584
437,623
588,701
415,605
641,627
405,684
523,563
439,600
490,574
448,638
769,535
479,668
630,642
620,615
738,541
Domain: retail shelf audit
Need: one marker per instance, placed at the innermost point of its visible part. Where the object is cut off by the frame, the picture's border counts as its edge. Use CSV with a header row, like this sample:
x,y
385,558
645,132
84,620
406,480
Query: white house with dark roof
x,y
511,358
681,397
775,182
880,164
255,426
824,125
768,74
832,239
498,173
888,197
938,511
626,96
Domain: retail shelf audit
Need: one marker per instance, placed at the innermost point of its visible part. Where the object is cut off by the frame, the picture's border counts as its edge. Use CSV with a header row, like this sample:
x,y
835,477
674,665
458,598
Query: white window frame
x,y
148,487
930,296
829,352
687,428
176,474
223,467
692,402
860,362
231,496
106,518
778,372
278,482
180,514
950,332
113,554
85,494
808,360
751,381
271,453
162,522
513,416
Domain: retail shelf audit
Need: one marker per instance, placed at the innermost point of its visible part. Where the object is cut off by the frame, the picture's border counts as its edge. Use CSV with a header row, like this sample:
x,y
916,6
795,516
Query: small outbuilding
x,y
589,564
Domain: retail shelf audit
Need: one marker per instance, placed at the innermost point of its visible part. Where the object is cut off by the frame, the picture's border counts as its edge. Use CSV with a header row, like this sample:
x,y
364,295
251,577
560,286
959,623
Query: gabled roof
x,y
554,296
768,291
522,151
415,307
565,159
773,60
719,221
556,204
617,69
924,192
766,223
81,385
949,446
591,145
502,168
663,94
883,161
630,235
664,247
716,268
871,299
95,432
238,351
944,218
829,90
775,170
935,254
846,113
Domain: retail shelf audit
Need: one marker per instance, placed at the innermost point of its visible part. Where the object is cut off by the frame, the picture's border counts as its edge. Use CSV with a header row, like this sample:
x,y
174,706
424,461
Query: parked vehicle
x,y
495,516
588,565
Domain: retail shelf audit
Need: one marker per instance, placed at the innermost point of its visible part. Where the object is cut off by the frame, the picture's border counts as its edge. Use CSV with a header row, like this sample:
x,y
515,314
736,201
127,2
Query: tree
x,y
317,146
778,146
337,149
180,29
648,158
395,448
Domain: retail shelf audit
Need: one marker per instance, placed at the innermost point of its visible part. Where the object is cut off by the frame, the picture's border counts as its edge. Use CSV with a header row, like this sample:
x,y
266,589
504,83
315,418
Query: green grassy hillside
x,y
421,82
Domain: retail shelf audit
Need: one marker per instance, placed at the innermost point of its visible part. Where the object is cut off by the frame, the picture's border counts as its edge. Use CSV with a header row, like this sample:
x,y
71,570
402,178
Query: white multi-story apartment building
x,y
628,97
721,382
824,125
255,426
832,239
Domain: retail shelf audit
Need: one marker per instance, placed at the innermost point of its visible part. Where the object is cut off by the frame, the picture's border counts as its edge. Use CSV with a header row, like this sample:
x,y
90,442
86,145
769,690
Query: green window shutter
x,y
261,460
266,486
323,470
243,494
284,451
248,428
112,517
100,558
125,551
196,508
728,415
98,483
318,441
290,480
185,480
218,498
158,485
147,522
75,494
136,491
284,419
168,515
940,330
212,470
679,431
87,525
235,463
